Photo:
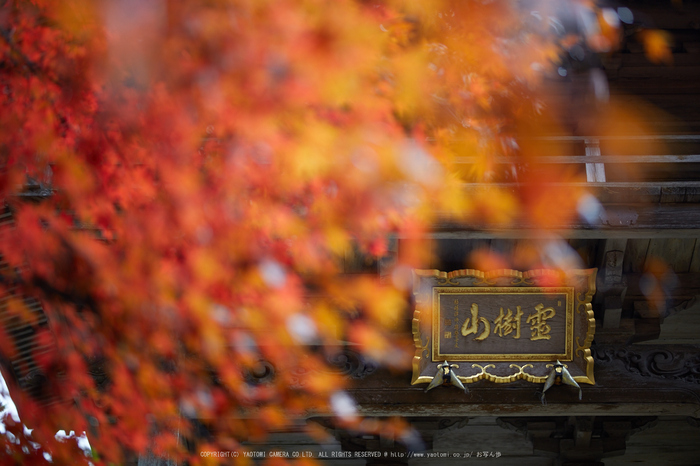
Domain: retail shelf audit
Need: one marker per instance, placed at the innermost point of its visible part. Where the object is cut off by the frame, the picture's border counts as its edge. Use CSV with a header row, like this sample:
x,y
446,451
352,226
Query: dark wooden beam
x,y
573,159
510,233
631,137
629,381
668,220
588,184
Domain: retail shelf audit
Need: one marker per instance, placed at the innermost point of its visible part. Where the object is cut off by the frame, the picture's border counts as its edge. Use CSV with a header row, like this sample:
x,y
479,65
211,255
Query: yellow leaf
x,y
657,46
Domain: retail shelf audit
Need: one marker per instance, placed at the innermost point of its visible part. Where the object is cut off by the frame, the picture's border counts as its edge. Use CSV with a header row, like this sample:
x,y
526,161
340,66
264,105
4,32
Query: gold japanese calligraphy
x,y
528,320
504,325
538,321
468,329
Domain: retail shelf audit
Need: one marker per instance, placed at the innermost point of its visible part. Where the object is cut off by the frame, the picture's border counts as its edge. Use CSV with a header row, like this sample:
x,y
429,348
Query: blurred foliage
x,y
211,163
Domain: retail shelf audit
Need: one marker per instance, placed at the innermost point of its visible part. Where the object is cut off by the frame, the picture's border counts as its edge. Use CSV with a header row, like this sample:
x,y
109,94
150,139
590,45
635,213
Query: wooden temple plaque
x,y
503,325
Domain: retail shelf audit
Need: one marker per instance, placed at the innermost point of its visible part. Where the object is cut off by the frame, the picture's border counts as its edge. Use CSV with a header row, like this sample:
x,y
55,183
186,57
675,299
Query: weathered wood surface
x,y
590,184
670,441
684,284
675,253
513,233
635,255
616,221
619,390
631,137
575,159
695,260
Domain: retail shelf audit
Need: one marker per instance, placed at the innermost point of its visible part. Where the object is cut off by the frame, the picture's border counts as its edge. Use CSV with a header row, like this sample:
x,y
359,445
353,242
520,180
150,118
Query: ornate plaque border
x,y
504,368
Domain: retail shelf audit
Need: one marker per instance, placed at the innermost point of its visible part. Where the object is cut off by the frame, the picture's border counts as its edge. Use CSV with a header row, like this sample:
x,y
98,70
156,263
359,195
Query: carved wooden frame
x,y
577,285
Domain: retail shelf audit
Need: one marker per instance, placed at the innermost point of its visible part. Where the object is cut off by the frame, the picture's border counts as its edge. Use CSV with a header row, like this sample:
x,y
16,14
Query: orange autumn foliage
x,y
205,167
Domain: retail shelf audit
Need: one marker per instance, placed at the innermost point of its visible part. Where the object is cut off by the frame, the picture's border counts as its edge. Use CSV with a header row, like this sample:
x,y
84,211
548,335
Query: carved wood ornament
x,y
503,325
